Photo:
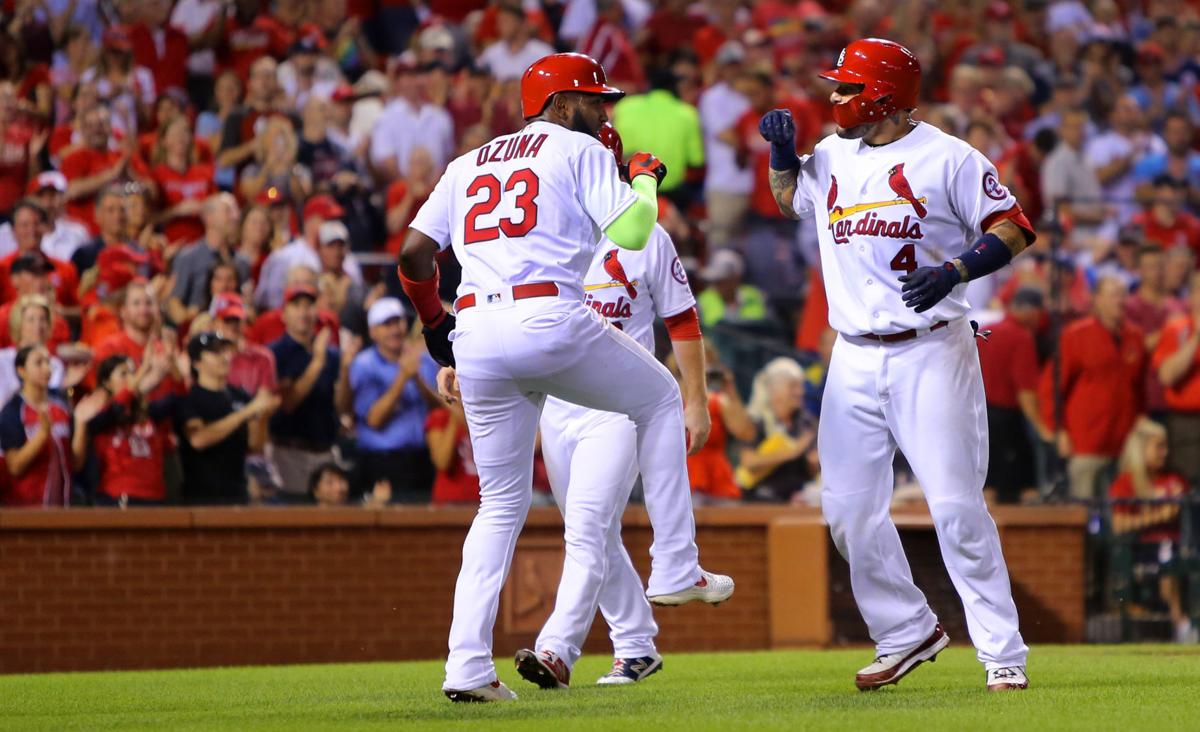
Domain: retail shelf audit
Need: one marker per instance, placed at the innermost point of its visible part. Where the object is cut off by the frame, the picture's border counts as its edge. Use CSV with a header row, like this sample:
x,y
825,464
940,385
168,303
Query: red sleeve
x,y
437,419
684,326
1168,342
75,165
1122,487
1017,216
396,192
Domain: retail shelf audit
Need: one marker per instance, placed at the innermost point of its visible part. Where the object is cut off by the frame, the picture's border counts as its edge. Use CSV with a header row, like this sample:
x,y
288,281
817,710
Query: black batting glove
x,y
927,286
437,341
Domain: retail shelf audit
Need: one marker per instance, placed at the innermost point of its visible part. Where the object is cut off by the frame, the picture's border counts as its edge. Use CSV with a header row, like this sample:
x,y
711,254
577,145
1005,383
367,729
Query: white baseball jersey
x,y
630,288
526,207
883,211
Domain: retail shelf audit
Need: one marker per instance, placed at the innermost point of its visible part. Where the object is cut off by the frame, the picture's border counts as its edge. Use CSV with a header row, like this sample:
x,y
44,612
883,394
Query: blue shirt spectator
x,y
390,406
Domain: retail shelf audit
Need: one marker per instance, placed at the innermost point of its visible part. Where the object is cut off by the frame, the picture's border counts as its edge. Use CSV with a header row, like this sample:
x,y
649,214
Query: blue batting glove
x,y
927,286
778,128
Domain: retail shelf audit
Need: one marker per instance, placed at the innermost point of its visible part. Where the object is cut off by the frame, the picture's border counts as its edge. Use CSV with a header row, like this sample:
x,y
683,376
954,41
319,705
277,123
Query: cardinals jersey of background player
x,y
595,454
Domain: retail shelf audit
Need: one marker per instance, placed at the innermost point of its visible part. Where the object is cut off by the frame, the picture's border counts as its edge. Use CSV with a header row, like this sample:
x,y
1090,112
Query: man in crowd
x,y
218,424
1101,377
63,235
660,121
409,121
238,136
727,184
1177,361
318,210
92,166
390,405
193,266
313,383
141,331
110,218
516,48
252,367
1008,359
29,222
1148,309
726,296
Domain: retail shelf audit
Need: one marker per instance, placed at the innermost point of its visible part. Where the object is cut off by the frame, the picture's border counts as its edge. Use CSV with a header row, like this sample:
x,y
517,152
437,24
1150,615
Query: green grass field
x,y
1083,687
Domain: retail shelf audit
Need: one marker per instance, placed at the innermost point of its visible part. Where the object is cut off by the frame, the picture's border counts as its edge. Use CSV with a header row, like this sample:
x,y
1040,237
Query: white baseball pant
x,y
591,459
510,355
926,396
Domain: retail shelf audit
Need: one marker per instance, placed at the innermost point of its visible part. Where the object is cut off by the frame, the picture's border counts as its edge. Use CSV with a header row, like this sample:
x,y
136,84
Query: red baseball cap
x,y
323,205
119,255
49,179
298,291
228,305
344,93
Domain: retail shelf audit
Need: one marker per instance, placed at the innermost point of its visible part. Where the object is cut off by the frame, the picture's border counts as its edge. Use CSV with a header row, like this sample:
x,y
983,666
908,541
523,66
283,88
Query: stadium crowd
x,y
201,201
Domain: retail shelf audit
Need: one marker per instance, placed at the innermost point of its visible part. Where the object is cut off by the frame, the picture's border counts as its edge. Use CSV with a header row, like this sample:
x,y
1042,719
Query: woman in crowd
x,y
1145,511
258,238
275,163
128,435
30,322
35,434
183,182
450,451
784,455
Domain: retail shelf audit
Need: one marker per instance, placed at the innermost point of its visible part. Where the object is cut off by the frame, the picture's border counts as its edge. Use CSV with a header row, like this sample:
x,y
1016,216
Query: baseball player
x,y
906,215
525,213
591,459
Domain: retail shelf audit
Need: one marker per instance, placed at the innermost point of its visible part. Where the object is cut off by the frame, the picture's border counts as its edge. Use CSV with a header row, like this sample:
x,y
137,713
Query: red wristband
x,y
684,326
424,297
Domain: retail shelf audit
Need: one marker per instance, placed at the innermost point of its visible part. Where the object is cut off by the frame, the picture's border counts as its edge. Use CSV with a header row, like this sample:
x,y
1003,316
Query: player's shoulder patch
x,y
678,273
993,188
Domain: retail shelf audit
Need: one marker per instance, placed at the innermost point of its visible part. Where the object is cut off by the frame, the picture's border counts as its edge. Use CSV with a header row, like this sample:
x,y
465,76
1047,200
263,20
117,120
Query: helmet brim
x,y
843,76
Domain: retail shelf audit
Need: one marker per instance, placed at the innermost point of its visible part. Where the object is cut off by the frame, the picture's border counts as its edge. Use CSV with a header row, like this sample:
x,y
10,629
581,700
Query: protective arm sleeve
x,y
631,230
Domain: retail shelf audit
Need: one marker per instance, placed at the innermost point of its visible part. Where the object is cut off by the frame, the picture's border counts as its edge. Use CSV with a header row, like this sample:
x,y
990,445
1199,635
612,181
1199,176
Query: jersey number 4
x,y
527,181
905,259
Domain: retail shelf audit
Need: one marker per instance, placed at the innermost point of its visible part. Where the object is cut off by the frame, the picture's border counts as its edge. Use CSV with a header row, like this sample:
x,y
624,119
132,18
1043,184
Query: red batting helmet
x,y
889,74
563,72
611,139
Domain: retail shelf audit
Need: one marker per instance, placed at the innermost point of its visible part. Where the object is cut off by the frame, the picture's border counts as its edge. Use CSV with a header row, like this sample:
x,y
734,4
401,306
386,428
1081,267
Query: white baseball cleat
x,y
1011,678
631,670
544,668
493,692
891,668
711,588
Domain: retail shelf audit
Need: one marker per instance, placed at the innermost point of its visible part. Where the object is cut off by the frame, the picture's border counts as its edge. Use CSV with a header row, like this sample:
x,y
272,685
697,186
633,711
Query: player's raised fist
x,y
644,163
778,128
926,286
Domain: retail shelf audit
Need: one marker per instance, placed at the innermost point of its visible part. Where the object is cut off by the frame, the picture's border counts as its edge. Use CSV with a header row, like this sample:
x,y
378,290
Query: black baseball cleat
x,y
543,668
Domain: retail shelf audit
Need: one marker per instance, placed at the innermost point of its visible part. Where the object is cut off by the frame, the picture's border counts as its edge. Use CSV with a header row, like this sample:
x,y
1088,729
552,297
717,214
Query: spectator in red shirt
x,y
723,25
21,144
1166,223
608,42
183,182
1148,310
35,434
1008,359
1101,378
251,34
1145,477
406,196
457,479
752,150
239,140
130,436
141,335
1177,361
253,366
669,29
268,327
29,275
29,223
158,45
92,166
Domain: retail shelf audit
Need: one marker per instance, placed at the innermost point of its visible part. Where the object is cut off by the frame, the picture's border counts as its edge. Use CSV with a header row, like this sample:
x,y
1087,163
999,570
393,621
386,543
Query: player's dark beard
x,y
579,124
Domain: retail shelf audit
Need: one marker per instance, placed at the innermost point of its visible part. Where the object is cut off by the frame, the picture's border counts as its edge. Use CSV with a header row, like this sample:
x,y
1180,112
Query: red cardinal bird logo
x,y
832,199
612,266
900,185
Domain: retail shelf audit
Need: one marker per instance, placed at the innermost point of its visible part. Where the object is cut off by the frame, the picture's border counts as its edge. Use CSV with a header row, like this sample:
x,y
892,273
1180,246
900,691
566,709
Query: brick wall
x,y
155,588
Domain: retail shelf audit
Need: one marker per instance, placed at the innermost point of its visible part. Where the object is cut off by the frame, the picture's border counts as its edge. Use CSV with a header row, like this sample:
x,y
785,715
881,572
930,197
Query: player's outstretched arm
x,y
631,230
778,128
